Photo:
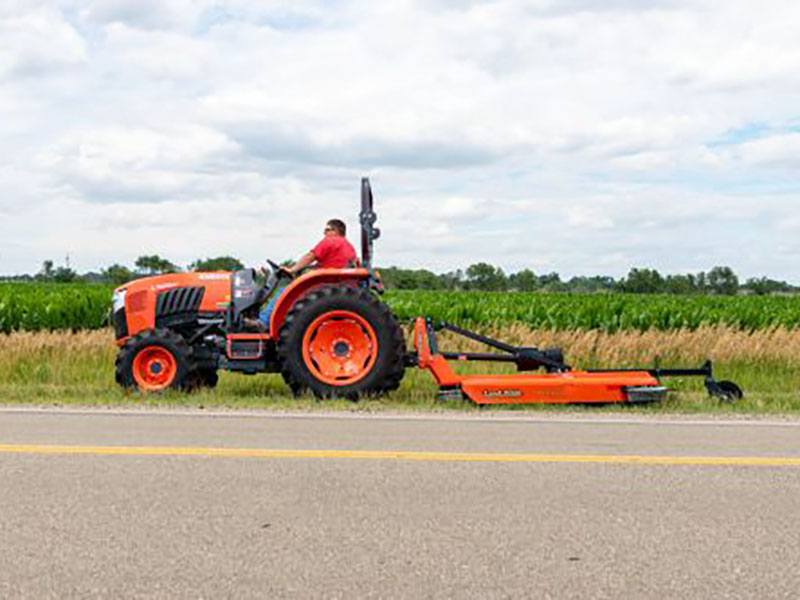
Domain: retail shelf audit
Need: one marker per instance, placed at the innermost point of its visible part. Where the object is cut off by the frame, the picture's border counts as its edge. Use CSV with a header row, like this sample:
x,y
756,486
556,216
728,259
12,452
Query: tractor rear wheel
x,y
153,361
341,342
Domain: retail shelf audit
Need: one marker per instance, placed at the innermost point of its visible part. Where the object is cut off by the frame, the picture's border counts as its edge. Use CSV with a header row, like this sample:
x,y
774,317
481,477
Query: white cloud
x,y
781,150
35,42
145,51
148,14
589,217
126,164
573,136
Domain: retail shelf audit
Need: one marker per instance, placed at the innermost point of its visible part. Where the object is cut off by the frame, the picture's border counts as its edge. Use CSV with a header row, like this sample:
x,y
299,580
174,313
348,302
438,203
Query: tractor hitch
x,y
526,359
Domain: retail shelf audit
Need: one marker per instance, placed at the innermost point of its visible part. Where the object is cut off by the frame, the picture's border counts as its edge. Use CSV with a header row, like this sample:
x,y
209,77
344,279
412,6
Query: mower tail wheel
x,y
154,361
341,341
730,392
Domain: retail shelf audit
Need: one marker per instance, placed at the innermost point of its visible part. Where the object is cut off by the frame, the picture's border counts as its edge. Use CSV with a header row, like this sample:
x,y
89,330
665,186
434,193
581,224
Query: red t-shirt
x,y
335,252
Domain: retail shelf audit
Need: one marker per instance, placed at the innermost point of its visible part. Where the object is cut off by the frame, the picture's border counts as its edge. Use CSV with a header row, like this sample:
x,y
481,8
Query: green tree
x,y
118,274
220,263
722,280
64,275
452,280
595,283
701,282
762,286
47,271
410,279
154,265
643,281
680,284
483,276
523,281
551,282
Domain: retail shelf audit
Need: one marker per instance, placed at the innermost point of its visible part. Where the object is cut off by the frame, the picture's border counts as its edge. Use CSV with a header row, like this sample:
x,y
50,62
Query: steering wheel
x,y
281,270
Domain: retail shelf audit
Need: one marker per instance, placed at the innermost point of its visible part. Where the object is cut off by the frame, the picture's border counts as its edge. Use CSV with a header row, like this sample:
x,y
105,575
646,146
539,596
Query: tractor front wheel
x,y
153,361
341,341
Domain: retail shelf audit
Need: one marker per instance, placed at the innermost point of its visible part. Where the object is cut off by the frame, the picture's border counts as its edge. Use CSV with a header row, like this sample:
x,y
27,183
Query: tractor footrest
x,y
246,346
649,393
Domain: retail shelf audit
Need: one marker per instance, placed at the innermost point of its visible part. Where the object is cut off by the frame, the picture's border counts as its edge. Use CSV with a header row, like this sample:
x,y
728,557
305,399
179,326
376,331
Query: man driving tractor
x,y
332,252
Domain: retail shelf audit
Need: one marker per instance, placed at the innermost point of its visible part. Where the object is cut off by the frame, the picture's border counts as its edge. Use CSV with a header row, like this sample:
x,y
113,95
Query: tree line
x,y
485,277
118,274
480,276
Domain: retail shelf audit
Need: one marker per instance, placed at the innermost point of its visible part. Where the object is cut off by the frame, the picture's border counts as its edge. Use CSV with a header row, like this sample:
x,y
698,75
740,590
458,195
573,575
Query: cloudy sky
x,y
579,136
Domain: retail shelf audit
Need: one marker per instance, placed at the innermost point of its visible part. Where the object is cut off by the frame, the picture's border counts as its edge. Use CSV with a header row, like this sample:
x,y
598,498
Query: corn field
x,y
36,307
53,306
604,312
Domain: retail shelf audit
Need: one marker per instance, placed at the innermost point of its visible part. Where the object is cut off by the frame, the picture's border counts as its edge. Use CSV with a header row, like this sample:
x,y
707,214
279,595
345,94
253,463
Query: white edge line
x,y
505,417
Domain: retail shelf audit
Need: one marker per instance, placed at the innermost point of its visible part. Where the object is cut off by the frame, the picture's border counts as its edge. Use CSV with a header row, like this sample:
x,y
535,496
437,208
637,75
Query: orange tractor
x,y
330,334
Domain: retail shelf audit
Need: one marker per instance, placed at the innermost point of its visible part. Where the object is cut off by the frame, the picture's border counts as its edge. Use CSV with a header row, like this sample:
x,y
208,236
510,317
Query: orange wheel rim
x,y
340,348
154,368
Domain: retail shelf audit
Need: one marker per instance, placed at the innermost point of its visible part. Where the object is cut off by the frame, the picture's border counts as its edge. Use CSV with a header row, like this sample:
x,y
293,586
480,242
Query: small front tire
x,y
154,361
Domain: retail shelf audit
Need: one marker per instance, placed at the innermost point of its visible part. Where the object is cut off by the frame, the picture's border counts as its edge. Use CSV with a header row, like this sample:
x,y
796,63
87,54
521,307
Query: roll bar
x,y
367,217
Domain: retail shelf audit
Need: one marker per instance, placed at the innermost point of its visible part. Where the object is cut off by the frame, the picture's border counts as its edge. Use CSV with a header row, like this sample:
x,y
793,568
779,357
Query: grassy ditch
x,y
77,368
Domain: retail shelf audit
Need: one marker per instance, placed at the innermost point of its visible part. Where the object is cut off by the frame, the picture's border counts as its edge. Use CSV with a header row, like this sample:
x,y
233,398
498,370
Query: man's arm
x,y
307,259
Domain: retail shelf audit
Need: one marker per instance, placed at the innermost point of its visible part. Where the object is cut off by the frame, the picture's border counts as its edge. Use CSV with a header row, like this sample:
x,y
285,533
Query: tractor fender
x,y
305,283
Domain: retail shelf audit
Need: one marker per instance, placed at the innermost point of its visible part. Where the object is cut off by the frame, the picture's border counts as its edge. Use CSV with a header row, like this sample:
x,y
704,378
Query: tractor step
x,y
645,394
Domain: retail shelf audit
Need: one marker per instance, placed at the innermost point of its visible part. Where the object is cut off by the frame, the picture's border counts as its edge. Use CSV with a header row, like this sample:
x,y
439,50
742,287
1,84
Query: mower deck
x,y
563,388
559,385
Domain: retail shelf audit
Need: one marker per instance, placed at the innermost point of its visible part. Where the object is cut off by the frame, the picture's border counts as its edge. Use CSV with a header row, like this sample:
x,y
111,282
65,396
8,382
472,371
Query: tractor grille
x,y
179,301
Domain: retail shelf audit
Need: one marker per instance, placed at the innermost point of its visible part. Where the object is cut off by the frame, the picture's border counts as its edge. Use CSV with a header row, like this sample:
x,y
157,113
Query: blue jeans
x,y
269,307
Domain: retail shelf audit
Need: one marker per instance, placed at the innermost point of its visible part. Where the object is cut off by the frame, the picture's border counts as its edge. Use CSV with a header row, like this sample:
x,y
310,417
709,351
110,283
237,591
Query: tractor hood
x,y
216,286
144,301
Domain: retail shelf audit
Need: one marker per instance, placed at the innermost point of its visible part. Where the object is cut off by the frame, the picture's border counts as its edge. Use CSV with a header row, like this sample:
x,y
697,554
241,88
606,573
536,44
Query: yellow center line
x,y
402,455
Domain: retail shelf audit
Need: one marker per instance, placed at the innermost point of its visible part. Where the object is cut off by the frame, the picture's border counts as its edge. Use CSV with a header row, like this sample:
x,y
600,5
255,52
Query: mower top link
x,y
330,334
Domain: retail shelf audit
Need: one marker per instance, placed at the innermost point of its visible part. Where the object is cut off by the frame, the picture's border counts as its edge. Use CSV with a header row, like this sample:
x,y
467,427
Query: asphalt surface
x,y
92,525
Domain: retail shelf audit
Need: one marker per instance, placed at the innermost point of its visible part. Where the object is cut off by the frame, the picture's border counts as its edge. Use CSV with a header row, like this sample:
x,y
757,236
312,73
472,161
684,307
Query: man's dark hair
x,y
339,226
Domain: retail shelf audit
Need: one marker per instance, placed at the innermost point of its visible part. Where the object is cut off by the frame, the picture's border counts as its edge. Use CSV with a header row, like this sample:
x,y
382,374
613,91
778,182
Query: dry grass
x,y
64,351
27,343
719,343
57,357
78,367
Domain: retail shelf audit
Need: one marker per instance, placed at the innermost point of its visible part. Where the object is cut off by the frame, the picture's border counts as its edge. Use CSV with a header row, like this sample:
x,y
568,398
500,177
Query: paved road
x,y
170,525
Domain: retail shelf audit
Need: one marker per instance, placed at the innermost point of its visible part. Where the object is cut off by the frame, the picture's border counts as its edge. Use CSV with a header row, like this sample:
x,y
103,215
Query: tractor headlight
x,y
118,299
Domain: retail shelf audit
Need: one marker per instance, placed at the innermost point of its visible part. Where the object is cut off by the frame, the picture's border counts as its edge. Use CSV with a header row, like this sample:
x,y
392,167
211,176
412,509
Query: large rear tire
x,y
154,361
341,342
